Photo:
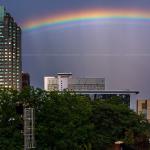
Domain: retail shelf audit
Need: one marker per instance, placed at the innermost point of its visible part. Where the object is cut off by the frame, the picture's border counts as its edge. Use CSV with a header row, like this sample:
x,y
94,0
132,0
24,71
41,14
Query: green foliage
x,y
67,121
10,136
116,122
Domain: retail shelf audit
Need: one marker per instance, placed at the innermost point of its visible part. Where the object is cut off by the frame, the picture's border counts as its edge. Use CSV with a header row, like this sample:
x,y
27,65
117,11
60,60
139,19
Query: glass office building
x,y
10,51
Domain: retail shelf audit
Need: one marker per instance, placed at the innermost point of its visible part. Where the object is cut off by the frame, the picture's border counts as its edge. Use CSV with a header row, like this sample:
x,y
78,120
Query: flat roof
x,y
107,92
65,73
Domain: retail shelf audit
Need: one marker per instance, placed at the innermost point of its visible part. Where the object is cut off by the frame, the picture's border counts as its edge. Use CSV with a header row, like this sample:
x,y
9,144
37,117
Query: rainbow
x,y
86,16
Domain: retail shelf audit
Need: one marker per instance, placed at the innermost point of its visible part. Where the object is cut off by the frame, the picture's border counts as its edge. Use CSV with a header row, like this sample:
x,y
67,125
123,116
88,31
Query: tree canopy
x,y
67,121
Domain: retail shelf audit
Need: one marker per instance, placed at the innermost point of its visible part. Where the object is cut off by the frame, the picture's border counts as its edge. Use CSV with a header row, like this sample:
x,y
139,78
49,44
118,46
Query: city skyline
x,y
119,51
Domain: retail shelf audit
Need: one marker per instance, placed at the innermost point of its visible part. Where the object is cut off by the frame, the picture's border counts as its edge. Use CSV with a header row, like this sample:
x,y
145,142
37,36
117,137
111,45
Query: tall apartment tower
x,y
10,51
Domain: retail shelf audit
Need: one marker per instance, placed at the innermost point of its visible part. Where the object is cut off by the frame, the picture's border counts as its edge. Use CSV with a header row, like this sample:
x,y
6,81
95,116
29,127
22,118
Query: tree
x,y
63,122
70,121
116,122
10,135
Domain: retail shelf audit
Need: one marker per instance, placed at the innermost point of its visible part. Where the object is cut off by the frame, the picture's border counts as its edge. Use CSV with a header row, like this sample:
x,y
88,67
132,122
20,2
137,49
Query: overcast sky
x,y
118,52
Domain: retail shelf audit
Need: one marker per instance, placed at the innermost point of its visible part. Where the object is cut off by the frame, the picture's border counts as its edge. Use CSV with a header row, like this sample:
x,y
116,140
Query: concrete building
x,y
91,87
10,51
128,97
143,107
25,80
66,81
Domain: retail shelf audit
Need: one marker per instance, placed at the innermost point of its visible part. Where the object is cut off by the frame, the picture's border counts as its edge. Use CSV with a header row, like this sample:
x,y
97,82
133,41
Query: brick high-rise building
x,y
25,80
10,51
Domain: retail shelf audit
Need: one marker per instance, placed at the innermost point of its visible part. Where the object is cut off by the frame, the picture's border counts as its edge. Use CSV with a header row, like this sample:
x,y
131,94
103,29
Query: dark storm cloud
x,y
120,53
26,9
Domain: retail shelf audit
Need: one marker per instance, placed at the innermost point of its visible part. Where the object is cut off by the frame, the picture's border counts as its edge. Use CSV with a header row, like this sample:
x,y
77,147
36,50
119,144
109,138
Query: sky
x,y
117,49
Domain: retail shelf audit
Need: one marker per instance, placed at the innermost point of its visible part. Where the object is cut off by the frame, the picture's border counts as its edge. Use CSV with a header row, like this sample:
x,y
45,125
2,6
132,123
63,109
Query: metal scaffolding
x,y
29,139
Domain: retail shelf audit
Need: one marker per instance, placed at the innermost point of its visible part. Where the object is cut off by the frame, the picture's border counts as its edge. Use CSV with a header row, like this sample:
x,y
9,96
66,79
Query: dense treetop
x,y
67,121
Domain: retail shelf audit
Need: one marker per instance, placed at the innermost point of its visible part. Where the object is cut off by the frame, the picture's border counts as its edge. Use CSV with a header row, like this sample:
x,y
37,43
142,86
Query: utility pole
x,y
29,135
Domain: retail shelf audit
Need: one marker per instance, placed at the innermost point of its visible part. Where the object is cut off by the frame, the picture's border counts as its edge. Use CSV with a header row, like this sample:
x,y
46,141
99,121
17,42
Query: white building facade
x,y
92,87
66,81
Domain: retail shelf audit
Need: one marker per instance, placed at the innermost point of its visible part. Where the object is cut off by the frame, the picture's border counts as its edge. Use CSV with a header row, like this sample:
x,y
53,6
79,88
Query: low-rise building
x,y
65,81
143,107
91,87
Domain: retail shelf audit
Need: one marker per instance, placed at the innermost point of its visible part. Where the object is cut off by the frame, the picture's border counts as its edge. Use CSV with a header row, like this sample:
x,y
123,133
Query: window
x,y
144,105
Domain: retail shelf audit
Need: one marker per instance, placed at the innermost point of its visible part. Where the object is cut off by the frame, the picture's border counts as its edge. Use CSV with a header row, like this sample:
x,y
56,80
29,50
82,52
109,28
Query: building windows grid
x,y
10,46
